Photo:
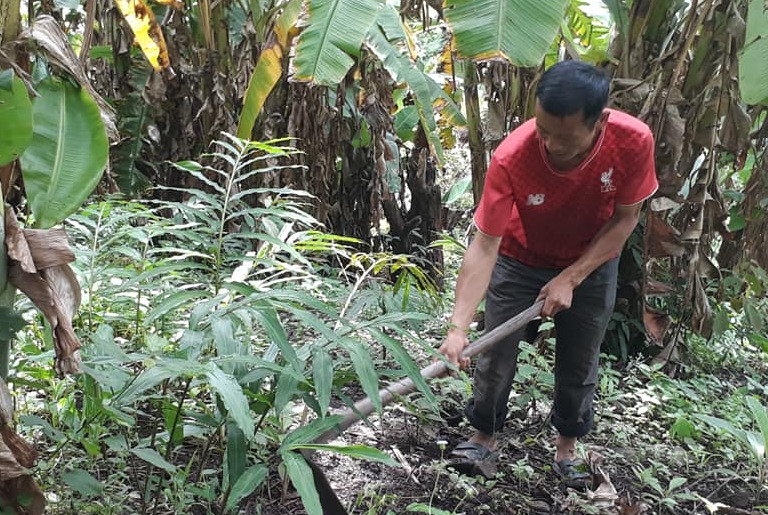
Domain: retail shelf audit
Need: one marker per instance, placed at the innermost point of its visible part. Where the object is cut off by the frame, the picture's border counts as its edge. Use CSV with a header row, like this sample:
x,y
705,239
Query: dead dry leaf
x,y
656,324
54,45
654,287
49,247
627,507
39,268
42,293
662,239
16,243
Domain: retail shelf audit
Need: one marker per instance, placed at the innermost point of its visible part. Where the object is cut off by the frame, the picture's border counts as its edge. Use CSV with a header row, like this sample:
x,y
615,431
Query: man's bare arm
x,y
558,293
474,276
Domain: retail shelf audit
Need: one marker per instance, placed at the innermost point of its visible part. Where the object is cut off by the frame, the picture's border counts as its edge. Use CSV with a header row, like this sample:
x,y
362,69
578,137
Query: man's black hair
x,y
569,87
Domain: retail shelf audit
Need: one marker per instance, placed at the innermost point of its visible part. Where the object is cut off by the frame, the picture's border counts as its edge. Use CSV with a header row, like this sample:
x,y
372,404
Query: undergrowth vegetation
x,y
214,330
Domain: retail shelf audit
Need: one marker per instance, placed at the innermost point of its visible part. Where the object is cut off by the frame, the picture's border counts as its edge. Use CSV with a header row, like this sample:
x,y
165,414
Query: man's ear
x,y
603,119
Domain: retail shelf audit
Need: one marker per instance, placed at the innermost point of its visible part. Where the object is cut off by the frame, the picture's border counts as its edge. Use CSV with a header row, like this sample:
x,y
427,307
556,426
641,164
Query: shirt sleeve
x,y
495,207
640,181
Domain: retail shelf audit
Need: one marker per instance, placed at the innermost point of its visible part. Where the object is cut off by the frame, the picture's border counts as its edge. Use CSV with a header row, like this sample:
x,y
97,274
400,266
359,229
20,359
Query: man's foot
x,y
573,471
475,456
565,448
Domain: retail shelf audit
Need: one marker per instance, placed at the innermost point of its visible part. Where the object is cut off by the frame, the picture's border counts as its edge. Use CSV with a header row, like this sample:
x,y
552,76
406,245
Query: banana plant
x,y
753,72
515,31
61,143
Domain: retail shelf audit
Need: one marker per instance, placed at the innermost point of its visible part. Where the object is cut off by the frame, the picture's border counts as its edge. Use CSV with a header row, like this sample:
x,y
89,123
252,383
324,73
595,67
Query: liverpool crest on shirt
x,y
606,181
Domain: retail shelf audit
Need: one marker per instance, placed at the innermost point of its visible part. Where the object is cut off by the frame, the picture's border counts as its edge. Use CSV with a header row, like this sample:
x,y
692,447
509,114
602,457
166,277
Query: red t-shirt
x,y
547,217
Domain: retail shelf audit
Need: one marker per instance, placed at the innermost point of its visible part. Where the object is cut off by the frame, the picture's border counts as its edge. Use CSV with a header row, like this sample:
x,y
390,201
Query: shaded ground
x,y
653,469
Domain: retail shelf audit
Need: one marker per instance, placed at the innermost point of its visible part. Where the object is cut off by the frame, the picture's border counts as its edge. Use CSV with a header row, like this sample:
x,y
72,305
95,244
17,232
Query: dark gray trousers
x,y
579,334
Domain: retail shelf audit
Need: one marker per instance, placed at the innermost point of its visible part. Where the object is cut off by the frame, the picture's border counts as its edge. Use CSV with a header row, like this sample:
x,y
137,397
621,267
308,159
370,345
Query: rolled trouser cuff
x,y
572,428
485,425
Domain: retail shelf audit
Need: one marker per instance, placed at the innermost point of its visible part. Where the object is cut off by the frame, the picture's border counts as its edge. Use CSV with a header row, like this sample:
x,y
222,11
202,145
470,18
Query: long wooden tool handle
x,y
363,408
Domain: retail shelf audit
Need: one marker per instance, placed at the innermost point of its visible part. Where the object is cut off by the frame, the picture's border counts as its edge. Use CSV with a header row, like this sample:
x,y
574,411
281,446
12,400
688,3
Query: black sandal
x,y
573,473
473,458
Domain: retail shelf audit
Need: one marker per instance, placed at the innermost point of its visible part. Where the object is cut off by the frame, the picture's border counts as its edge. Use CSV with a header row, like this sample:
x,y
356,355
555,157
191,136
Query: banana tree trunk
x,y
479,162
10,26
6,303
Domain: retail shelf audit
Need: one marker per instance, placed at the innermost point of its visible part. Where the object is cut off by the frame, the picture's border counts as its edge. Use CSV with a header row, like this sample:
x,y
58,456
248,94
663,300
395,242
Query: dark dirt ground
x,y
626,440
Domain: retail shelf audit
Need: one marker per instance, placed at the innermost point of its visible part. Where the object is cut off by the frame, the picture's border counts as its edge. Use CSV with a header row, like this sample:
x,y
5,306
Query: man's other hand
x,y
453,345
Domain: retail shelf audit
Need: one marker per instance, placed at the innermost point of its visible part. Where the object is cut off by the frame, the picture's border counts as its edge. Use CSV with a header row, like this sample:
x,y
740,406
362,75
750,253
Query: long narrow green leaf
x,y
518,31
364,367
166,369
287,388
249,481
760,414
362,452
269,319
233,398
15,118
237,452
153,457
83,483
68,153
322,373
173,302
306,434
335,34
403,358
302,479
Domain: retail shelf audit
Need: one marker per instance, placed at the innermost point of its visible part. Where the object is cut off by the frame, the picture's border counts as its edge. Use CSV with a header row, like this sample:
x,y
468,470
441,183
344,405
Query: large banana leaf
x,y
335,34
268,71
15,117
382,40
68,153
402,70
518,31
753,68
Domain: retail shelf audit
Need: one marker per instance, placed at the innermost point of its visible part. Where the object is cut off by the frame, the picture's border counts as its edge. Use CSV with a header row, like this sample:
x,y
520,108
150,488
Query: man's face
x,y
568,139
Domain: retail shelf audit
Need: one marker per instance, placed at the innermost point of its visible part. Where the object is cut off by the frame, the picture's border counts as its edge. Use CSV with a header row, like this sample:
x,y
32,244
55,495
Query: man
x,y
562,195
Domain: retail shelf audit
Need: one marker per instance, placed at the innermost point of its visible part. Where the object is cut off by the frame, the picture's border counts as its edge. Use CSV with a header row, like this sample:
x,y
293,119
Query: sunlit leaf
x,y
268,71
146,31
518,31
335,34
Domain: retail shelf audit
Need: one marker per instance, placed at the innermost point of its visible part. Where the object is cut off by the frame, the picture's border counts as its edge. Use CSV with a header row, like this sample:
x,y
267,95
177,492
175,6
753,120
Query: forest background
x,y
226,219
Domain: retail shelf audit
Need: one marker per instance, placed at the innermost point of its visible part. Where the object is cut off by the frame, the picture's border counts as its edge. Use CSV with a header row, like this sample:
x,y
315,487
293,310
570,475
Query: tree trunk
x,y
756,231
478,159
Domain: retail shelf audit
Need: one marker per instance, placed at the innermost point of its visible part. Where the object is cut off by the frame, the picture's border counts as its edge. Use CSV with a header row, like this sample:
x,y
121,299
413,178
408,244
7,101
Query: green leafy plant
x,y
217,329
756,442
